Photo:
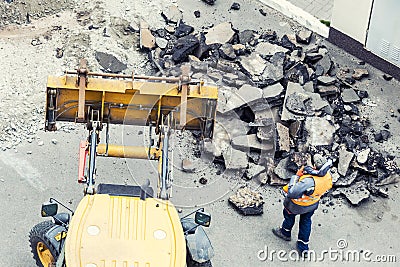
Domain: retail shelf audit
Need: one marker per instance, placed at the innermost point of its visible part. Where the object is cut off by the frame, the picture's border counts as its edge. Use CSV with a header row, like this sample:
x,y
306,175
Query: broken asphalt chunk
x,y
247,201
295,103
287,43
183,29
273,71
246,36
282,171
387,77
381,136
247,142
362,156
283,139
350,96
360,73
220,34
109,63
227,52
304,36
376,191
187,166
326,80
209,2
59,52
345,157
235,6
291,89
391,179
172,14
161,42
326,63
254,170
312,58
356,193
253,64
184,47
347,180
298,73
247,94
320,131
265,134
235,159
262,12
330,90
147,40
268,49
272,92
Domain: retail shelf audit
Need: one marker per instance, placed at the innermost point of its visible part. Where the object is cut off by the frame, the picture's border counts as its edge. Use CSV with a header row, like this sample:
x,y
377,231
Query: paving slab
x,y
247,142
220,34
291,89
253,64
320,131
350,96
283,137
268,49
345,157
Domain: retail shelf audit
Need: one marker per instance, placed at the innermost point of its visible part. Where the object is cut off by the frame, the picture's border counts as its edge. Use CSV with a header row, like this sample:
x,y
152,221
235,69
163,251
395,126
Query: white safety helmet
x,y
319,161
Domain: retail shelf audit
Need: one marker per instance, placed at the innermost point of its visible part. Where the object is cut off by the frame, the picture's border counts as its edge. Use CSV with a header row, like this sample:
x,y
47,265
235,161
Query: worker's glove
x,y
300,171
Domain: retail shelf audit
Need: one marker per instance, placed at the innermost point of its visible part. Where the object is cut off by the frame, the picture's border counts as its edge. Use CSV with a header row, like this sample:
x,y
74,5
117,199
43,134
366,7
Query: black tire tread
x,y
38,233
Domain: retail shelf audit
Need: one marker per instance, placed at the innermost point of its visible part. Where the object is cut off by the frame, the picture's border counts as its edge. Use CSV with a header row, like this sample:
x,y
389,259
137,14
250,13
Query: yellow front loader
x,y
125,225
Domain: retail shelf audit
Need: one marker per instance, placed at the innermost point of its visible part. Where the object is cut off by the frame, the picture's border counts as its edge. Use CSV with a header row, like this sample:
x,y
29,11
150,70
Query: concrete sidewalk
x,y
321,9
297,11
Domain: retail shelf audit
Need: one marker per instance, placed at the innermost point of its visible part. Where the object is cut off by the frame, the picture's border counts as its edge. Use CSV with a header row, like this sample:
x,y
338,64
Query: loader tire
x,y
44,253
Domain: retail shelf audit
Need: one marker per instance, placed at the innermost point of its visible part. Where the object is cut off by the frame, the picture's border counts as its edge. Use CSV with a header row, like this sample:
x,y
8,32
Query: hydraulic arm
x,y
101,99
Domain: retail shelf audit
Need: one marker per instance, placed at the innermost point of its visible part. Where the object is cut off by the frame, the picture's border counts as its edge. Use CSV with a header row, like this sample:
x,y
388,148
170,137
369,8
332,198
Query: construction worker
x,y
302,196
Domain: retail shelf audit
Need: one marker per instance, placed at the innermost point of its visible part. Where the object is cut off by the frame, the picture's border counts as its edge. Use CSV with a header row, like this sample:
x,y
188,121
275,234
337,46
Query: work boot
x,y
302,253
278,232
302,249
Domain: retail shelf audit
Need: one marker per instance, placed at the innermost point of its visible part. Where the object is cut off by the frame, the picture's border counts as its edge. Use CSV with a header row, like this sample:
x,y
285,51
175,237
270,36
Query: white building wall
x,y
384,30
351,17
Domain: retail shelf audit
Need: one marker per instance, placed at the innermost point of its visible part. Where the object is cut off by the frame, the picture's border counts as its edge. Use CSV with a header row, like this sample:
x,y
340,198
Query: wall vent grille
x,y
395,53
385,45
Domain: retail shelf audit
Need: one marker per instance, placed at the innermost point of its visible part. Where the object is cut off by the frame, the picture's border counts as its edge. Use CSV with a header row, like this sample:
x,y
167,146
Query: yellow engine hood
x,y
116,231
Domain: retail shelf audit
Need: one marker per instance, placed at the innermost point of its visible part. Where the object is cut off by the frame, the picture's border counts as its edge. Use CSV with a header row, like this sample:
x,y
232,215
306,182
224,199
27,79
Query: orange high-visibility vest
x,y
322,184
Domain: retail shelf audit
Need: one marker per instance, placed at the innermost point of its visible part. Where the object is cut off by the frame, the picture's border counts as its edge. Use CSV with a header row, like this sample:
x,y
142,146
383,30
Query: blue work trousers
x,y
303,237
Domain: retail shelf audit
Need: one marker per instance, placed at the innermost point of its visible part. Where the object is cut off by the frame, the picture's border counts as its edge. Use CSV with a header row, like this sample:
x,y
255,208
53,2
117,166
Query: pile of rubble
x,y
13,129
281,100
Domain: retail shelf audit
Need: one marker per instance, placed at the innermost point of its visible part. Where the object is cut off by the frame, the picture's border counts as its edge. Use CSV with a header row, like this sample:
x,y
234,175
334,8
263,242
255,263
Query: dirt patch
x,y
23,12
